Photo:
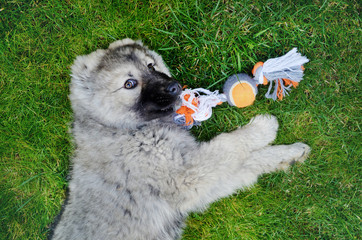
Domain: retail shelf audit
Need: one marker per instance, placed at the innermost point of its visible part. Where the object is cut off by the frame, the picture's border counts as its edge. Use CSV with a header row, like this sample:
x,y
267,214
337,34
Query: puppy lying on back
x,y
136,175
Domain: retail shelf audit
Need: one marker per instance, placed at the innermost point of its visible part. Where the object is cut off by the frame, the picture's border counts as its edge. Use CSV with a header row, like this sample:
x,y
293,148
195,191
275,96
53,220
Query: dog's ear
x,y
82,84
123,42
84,66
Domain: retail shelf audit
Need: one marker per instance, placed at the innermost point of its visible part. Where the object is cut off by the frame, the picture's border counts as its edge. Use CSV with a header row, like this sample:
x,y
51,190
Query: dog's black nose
x,y
174,88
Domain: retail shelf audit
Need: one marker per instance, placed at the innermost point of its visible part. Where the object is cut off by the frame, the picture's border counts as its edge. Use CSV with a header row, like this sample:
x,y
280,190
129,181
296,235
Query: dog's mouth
x,y
166,110
159,107
163,107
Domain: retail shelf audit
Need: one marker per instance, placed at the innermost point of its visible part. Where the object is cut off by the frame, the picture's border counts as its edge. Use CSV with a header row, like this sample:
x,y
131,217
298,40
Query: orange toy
x,y
186,111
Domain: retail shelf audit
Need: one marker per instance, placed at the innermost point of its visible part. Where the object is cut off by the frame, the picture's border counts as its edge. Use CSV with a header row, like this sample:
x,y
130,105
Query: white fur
x,y
135,179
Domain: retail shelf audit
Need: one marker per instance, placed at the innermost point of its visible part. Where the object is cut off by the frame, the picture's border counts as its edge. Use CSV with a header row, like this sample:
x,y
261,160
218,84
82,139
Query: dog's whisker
x,y
117,90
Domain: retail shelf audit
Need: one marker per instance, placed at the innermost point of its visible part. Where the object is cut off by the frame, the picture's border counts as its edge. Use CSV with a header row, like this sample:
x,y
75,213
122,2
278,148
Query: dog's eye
x,y
130,83
151,67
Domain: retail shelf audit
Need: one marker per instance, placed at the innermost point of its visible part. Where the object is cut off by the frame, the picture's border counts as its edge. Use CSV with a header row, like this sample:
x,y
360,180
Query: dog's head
x,y
124,85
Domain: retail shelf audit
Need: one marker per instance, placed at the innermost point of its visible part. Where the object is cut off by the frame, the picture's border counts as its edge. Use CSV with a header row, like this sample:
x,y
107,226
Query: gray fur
x,y
138,178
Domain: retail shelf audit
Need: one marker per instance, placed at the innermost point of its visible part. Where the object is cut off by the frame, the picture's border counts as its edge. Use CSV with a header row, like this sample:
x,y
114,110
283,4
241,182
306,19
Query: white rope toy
x,y
200,101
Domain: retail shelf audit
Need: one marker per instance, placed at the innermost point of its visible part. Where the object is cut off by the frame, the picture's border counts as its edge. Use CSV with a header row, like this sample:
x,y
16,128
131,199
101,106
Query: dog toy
x,y
240,89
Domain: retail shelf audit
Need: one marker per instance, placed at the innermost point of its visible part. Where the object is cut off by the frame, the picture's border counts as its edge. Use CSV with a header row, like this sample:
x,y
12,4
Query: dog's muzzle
x,y
159,96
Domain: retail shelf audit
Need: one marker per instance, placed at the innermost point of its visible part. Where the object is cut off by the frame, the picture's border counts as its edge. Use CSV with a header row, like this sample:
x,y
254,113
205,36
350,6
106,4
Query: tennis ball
x,y
240,90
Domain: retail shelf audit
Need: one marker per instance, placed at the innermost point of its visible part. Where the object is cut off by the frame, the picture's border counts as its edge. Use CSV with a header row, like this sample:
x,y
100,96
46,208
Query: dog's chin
x,y
159,112
164,111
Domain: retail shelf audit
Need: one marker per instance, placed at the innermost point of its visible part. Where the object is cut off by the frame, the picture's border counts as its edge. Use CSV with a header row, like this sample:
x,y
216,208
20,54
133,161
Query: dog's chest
x,y
156,146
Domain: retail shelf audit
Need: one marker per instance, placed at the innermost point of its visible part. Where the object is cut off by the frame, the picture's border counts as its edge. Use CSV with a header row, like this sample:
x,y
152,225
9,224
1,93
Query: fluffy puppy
x,y
135,174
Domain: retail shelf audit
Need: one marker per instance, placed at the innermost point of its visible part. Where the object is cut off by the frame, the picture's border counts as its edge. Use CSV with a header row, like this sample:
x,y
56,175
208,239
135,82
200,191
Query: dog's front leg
x,y
221,166
279,157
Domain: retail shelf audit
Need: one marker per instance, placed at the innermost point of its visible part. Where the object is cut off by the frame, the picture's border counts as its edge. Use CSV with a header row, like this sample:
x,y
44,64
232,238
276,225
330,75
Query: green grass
x,y
203,42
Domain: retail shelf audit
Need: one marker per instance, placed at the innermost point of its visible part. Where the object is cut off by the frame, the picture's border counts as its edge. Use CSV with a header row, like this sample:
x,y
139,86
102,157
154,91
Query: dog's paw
x,y
303,150
300,151
265,121
264,128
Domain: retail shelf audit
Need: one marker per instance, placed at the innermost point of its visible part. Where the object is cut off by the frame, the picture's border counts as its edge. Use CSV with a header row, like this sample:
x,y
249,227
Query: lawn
x,y
203,42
